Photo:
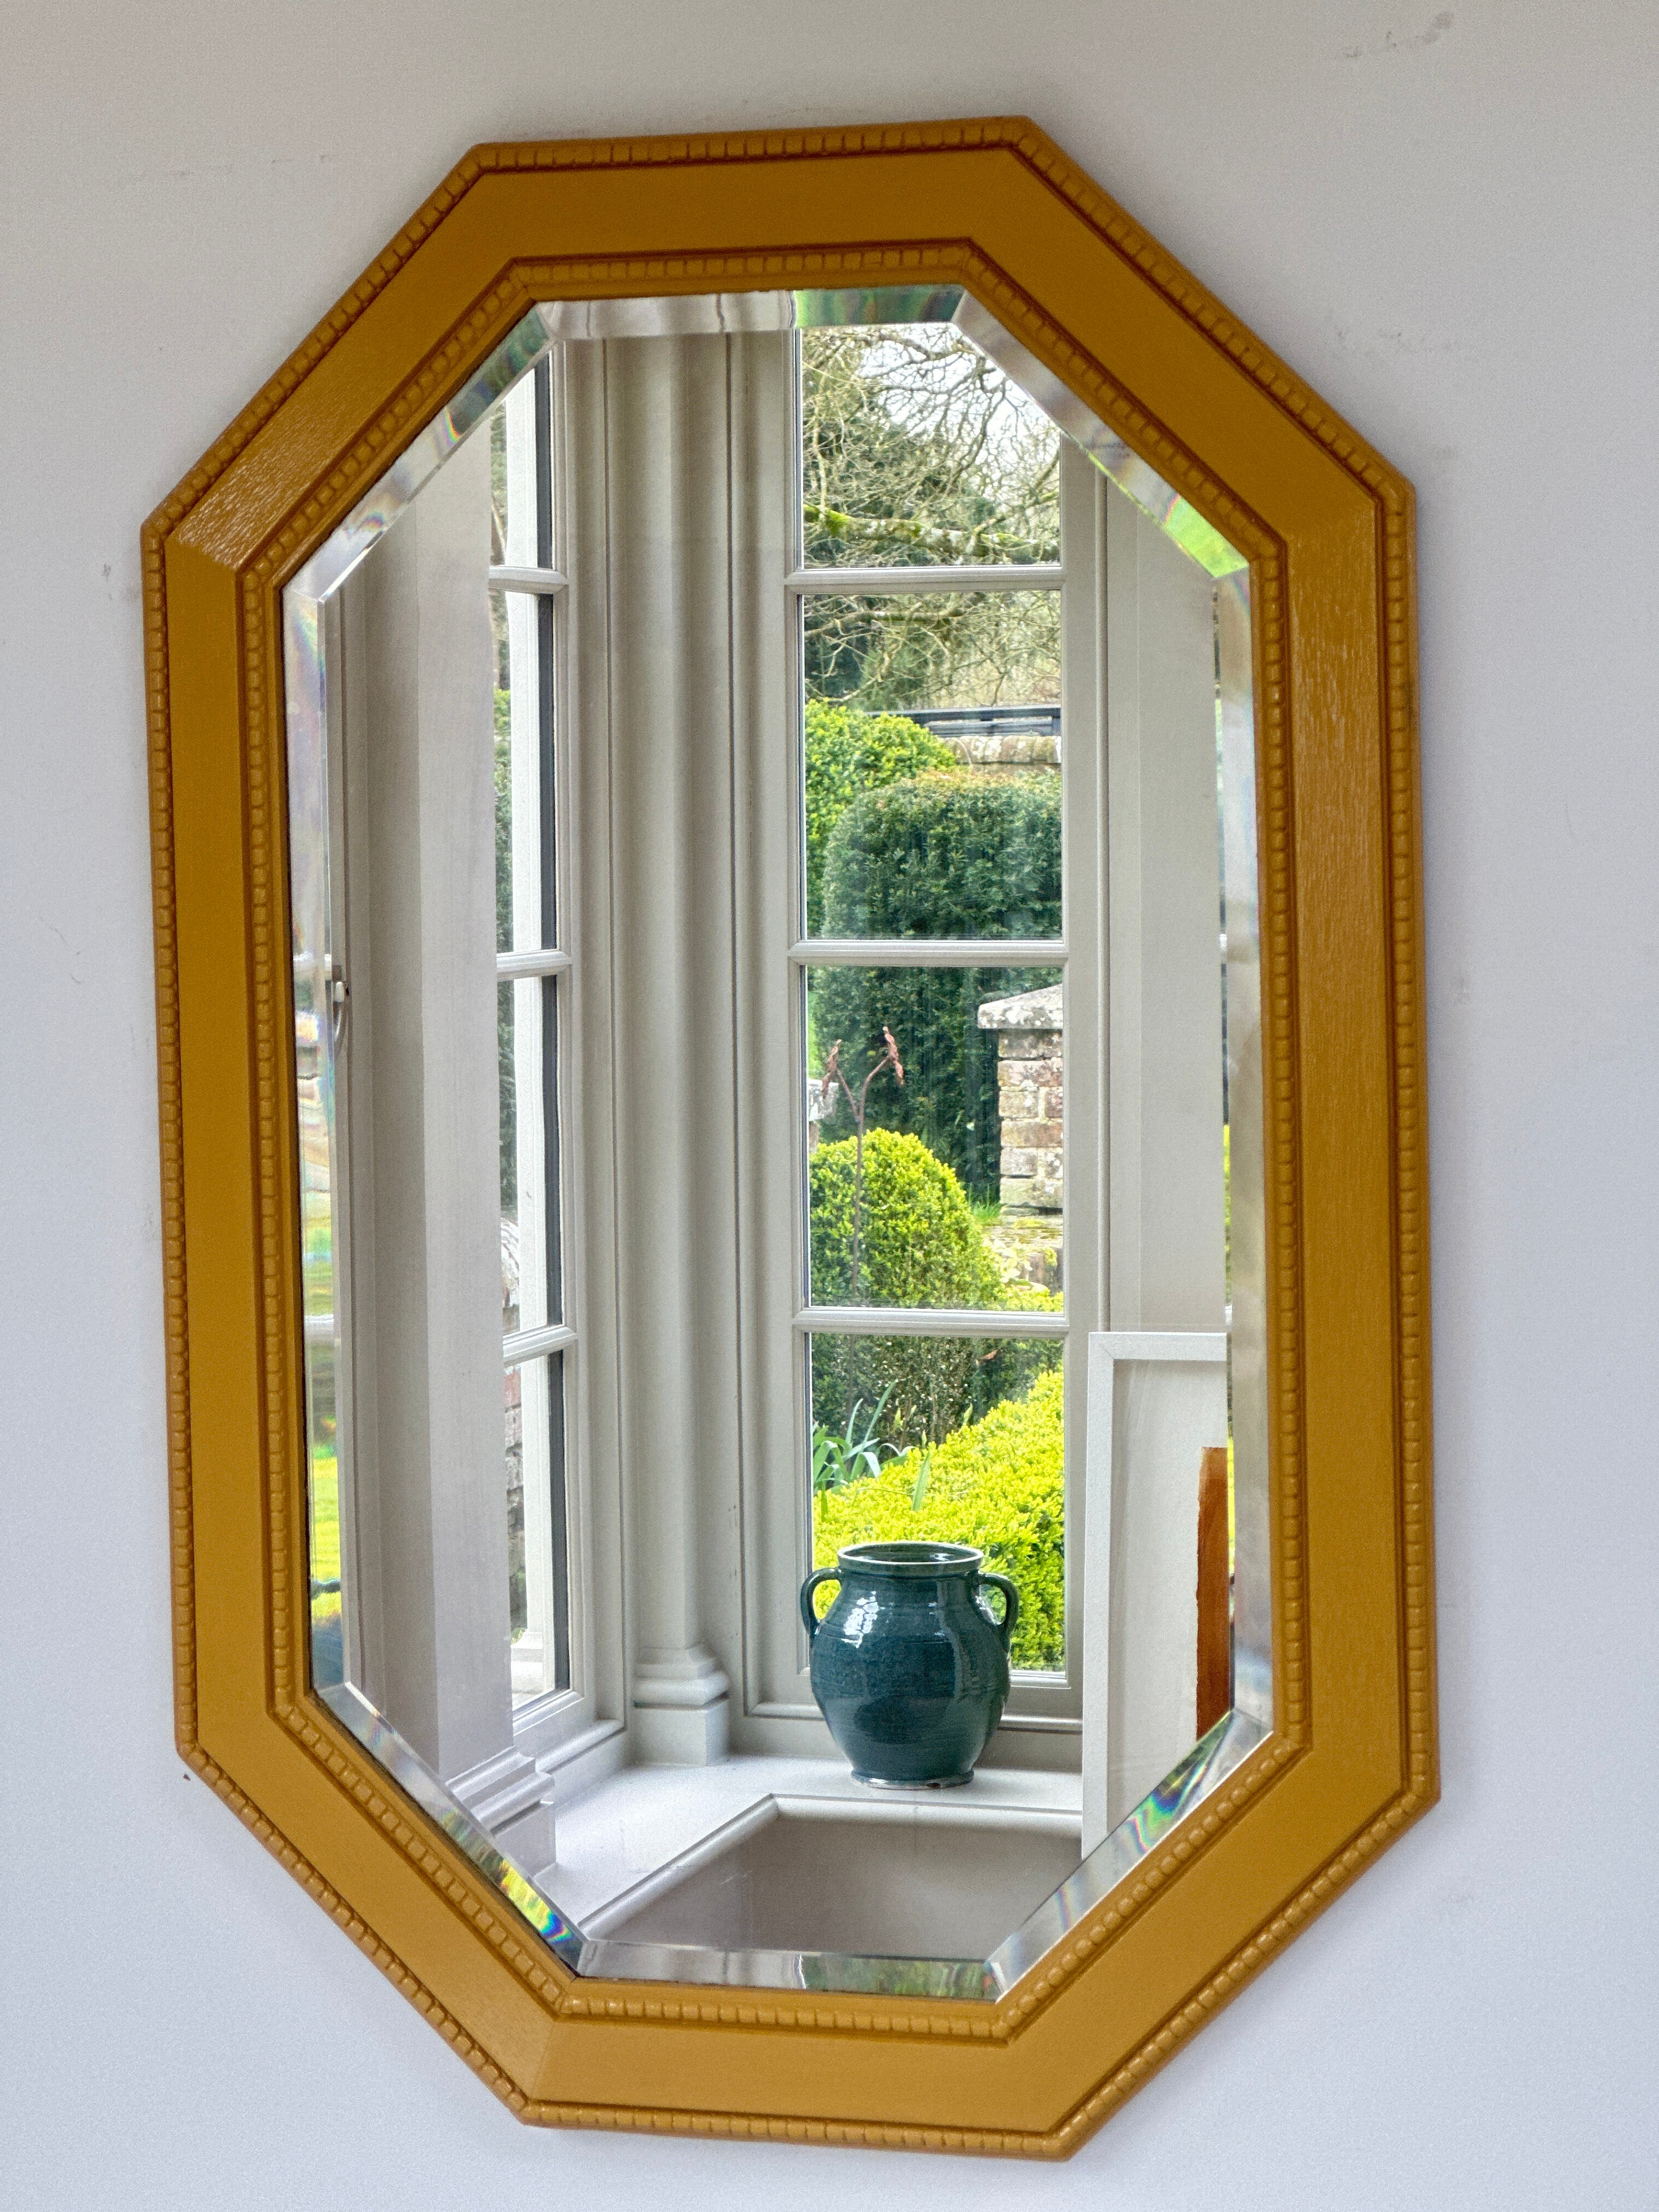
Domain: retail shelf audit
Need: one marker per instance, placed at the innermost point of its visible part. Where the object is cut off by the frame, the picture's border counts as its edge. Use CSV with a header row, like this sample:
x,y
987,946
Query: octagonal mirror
x,y
783,774
771,796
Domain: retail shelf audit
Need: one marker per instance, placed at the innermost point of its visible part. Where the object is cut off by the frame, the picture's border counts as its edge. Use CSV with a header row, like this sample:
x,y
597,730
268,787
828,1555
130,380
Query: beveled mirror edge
x,y
1390,500
1207,1765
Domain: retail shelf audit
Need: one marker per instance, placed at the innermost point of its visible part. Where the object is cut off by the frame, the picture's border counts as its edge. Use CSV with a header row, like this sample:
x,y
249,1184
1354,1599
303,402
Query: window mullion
x,y
928,952
927,1321
529,581
901,582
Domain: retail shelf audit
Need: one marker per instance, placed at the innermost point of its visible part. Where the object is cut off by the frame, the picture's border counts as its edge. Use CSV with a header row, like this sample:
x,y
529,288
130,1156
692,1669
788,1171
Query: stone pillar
x,y
1030,1099
1031,1104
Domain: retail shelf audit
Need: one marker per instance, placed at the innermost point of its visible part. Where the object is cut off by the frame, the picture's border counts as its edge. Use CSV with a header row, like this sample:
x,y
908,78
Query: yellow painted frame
x,y
1329,527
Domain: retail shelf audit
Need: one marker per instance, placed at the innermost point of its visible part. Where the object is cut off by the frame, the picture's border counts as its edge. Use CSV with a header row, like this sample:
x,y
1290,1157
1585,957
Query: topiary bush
x,y
942,854
848,753
920,1243
920,1246
999,1483
947,854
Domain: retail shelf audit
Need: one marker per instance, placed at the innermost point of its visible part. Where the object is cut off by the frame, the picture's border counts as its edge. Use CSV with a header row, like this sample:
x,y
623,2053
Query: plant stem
x,y
859,1107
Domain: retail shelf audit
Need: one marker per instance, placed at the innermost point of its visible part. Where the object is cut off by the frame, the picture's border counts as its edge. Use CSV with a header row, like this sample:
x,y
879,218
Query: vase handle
x,y
1004,1627
819,1575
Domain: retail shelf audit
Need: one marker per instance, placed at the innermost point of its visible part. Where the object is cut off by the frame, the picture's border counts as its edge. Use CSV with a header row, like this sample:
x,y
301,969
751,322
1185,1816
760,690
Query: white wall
x,y
1447,224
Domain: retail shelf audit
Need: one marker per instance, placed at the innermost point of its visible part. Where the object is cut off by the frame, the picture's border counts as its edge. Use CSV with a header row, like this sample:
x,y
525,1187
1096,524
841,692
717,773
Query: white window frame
x,y
553,1721
1042,1705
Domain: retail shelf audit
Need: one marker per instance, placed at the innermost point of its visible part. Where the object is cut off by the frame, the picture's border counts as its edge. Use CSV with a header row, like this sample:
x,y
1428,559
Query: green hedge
x,y
920,1246
999,1483
848,753
940,855
948,853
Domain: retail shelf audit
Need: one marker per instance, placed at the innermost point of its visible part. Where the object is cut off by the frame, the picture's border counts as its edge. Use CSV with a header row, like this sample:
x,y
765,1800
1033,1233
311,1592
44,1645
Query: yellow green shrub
x,y
999,1483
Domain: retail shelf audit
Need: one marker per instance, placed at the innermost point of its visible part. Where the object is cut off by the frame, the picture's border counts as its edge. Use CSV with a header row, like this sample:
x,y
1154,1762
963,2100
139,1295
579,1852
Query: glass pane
x,y
538,1596
914,831
523,634
498,491
929,650
957,1440
527,1077
915,447
936,1171
518,494
932,760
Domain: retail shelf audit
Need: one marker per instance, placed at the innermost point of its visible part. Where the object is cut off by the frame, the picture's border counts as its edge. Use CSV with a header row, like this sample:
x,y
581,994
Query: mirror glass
x,y
771,798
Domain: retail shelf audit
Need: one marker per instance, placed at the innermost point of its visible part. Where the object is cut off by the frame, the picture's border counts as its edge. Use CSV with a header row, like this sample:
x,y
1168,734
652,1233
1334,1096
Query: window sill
x,y
633,1837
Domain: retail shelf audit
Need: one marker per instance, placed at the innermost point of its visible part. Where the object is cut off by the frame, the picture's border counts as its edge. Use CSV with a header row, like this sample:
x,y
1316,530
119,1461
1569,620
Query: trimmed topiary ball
x,y
919,1244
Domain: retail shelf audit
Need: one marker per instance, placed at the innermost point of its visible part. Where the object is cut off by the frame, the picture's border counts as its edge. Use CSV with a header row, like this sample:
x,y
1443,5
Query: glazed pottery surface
x,y
908,1666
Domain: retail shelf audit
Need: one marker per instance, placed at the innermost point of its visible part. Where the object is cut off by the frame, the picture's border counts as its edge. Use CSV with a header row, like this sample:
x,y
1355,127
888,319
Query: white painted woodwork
x,y
675,453
430,1503
1085,752
633,1837
806,1879
1168,1257
1156,1400
534,1655
968,576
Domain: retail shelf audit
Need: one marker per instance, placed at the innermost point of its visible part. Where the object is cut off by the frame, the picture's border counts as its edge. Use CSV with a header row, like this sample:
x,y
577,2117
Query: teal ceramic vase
x,y
909,1669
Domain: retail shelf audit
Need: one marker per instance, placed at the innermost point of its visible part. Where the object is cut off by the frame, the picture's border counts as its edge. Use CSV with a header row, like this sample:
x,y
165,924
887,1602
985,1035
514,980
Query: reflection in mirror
x,y
772,830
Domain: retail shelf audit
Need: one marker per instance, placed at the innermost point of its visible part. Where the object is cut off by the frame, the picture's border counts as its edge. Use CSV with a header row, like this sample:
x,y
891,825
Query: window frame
x,y
562,1717
1040,1703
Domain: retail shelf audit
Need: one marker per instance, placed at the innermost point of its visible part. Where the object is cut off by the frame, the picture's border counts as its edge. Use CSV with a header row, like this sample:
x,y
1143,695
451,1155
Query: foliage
x,y
324,1549
848,753
947,855
917,449
324,1518
858,1452
892,652
999,1483
921,1246
940,855
836,1086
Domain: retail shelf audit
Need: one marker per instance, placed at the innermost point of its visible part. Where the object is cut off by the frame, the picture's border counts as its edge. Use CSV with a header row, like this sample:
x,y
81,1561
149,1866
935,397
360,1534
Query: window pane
x,y
523,628
527,1012
917,448
931,766
928,650
537,1564
959,1439
956,1196
517,442
905,839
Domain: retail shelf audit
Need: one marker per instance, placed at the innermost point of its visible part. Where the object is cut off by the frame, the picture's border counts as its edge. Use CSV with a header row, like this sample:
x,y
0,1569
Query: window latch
x,y
337,994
